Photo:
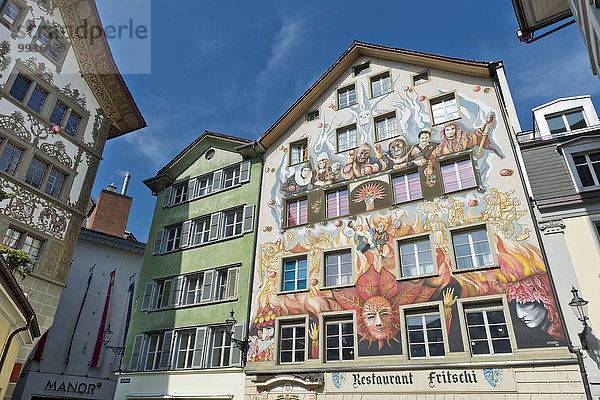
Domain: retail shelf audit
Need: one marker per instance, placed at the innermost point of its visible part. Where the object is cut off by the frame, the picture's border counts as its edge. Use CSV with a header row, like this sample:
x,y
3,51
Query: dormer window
x,y
565,121
588,168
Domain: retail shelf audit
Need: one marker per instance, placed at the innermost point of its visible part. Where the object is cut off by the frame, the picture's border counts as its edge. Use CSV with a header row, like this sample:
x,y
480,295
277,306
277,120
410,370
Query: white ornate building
x,y
61,98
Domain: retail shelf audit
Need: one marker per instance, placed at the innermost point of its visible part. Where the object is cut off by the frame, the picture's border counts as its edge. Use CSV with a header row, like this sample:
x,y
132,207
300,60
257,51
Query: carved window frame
x,y
54,36
15,27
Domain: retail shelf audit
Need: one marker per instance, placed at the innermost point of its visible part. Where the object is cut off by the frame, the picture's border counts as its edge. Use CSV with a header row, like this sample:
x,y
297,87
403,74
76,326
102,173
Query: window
x,y
425,337
381,84
346,97
193,289
57,114
347,138
297,212
444,109
20,87
407,187
36,99
361,68
298,152
185,342
54,183
22,241
173,238
420,78
220,351
35,173
588,168
205,185
154,351
210,285
231,177
180,193
312,115
458,175
337,203
292,343
472,248
10,158
294,274
50,43
12,238
416,257
13,13
201,231
566,121
72,124
339,340
338,268
386,127
488,332
232,223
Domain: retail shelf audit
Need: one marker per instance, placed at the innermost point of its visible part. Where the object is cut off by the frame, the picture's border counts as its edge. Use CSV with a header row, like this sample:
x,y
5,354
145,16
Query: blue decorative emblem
x,y
338,379
493,376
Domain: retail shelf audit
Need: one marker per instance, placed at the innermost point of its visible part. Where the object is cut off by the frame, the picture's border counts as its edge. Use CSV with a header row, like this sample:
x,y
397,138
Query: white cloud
x,y
284,43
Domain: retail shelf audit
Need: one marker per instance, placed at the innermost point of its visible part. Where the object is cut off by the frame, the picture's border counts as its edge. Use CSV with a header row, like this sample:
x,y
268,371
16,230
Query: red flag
x,y
98,348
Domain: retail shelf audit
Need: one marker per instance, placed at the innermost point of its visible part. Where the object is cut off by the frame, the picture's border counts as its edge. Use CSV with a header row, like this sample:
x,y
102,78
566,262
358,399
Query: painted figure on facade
x,y
397,155
368,193
422,151
360,163
300,181
321,175
455,140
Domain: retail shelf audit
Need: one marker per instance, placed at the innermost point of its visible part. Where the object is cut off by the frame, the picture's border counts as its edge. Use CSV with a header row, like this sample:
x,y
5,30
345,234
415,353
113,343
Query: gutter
x,y
11,337
586,384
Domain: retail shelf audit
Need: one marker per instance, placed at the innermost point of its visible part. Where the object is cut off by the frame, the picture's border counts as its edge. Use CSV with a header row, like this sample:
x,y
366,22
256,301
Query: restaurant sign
x,y
459,380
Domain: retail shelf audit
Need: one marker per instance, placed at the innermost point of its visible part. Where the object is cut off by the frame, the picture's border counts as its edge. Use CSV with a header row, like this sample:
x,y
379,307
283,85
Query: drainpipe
x,y
577,352
10,338
254,246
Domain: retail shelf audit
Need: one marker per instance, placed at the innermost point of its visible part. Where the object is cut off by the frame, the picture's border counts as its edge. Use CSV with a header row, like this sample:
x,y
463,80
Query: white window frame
x,y
295,338
225,361
230,181
405,178
420,78
339,276
338,203
379,80
344,92
176,241
296,270
346,130
444,100
298,148
188,351
238,221
413,239
156,351
390,123
473,255
298,212
313,115
563,115
339,321
484,310
461,184
423,314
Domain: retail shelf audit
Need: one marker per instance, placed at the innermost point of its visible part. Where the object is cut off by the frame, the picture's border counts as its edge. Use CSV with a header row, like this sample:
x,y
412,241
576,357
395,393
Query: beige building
x,y
60,101
396,254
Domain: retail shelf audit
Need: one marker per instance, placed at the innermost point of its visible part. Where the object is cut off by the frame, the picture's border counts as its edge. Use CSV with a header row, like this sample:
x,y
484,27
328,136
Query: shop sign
x,y
459,380
72,387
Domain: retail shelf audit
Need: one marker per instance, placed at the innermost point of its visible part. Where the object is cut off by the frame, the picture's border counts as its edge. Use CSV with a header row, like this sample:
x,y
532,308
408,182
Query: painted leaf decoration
x,y
349,299
387,284
368,284
407,291
424,295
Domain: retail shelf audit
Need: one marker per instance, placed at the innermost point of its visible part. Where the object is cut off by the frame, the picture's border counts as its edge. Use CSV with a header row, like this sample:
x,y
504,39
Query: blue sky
x,y
235,67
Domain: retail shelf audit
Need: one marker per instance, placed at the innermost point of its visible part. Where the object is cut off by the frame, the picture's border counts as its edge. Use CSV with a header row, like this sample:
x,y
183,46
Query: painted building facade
x,y
395,252
196,269
71,360
560,157
61,98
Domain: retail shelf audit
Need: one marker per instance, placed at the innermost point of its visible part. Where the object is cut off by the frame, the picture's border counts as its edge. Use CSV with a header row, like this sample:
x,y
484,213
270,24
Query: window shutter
x,y
134,361
165,356
215,220
166,298
158,242
236,354
191,189
232,283
185,234
199,347
245,171
207,285
147,296
217,176
248,218
167,197
176,293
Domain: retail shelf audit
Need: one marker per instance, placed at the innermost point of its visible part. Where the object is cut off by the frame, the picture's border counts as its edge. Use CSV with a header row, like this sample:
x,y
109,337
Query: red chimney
x,y
111,212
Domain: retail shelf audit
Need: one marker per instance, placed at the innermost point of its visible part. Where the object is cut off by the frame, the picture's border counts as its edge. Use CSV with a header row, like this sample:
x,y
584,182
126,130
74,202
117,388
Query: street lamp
x,y
579,306
242,345
106,337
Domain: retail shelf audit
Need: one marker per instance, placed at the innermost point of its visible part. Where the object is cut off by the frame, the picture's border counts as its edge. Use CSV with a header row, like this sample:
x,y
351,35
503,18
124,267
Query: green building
x,y
196,269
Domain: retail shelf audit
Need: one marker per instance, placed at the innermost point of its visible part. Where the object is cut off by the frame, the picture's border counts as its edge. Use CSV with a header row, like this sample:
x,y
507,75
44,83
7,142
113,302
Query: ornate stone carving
x,y
39,69
555,226
50,265
29,208
57,150
100,130
15,123
46,6
74,95
5,59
